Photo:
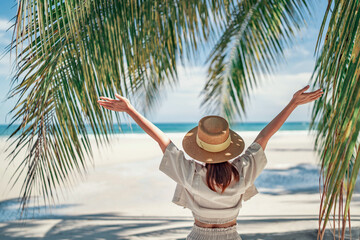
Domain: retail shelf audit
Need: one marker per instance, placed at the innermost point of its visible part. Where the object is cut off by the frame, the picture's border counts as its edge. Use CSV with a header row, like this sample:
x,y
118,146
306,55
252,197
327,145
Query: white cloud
x,y
296,51
192,79
273,95
266,101
5,66
5,39
5,24
282,84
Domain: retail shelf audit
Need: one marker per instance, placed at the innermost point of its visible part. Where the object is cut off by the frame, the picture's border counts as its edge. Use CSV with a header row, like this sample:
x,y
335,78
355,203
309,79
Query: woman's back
x,y
193,192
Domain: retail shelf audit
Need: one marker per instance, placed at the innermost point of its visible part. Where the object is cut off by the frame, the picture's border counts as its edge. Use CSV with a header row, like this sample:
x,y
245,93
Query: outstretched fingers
x,y
118,96
108,99
314,93
304,89
317,96
314,97
105,103
121,105
109,106
318,91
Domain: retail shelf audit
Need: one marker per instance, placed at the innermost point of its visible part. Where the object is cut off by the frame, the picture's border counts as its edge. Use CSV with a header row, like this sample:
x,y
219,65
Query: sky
x,y
182,104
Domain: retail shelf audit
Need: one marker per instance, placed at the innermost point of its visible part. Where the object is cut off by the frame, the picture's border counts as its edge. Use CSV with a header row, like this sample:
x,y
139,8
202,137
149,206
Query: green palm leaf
x,y
68,53
338,112
252,44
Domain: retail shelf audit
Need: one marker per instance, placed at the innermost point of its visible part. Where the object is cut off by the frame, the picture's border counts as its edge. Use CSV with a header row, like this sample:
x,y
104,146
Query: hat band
x,y
213,147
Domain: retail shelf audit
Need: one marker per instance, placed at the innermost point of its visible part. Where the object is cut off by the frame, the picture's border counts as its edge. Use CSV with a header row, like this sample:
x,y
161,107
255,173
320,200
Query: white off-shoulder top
x,y
193,193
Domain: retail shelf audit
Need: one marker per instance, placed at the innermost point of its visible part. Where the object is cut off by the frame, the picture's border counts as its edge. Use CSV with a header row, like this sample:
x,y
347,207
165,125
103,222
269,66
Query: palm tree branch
x,y
70,52
252,45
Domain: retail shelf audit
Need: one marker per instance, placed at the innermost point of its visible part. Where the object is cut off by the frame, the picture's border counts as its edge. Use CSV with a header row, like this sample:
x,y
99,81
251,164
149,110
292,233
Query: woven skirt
x,y
200,233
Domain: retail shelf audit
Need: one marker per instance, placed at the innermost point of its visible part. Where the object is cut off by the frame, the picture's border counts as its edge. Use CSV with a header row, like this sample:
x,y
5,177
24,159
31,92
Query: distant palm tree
x,y
70,52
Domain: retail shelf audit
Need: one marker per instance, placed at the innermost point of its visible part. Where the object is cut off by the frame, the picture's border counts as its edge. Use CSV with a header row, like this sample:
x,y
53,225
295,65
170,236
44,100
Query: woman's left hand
x,y
300,97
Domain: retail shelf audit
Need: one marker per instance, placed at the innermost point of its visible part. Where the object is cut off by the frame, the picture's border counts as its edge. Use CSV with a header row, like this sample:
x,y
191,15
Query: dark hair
x,y
220,174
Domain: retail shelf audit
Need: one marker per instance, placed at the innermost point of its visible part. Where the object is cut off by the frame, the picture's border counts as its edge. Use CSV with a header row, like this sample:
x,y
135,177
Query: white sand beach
x,y
125,196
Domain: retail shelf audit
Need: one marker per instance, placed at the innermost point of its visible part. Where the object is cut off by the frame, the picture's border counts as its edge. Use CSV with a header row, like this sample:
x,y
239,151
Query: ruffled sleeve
x,y
176,166
250,165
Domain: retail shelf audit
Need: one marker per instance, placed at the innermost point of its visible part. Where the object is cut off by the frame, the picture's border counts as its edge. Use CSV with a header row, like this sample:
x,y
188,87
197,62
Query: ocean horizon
x,y
180,127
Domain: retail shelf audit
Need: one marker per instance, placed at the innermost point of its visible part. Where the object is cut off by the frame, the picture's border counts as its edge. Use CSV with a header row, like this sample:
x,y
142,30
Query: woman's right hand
x,y
301,98
120,105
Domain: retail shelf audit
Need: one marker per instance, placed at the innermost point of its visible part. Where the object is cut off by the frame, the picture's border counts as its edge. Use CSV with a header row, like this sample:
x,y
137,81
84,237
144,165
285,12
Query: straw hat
x,y
212,141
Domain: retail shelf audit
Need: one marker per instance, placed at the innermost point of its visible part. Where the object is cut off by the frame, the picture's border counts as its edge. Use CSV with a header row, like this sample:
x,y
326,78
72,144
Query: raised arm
x,y
298,98
122,104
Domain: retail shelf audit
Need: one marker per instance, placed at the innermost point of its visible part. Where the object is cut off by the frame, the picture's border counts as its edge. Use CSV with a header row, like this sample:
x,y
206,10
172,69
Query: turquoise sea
x,y
184,127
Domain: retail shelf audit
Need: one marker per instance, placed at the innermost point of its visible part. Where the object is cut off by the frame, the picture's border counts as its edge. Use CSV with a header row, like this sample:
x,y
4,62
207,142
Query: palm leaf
x,y
68,53
338,112
252,45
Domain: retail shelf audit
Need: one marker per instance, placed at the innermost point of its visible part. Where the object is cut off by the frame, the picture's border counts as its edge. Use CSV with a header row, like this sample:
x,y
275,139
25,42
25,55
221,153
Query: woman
x,y
214,190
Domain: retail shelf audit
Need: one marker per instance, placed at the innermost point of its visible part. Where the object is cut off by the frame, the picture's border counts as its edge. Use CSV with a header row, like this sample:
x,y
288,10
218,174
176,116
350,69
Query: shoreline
x,y
181,134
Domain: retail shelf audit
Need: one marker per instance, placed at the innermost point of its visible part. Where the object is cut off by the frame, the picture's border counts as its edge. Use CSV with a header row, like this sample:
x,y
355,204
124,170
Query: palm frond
x,y
252,45
68,53
338,112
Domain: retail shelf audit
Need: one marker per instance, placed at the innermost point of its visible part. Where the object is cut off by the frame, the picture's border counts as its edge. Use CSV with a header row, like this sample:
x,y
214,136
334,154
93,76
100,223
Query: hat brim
x,y
193,150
